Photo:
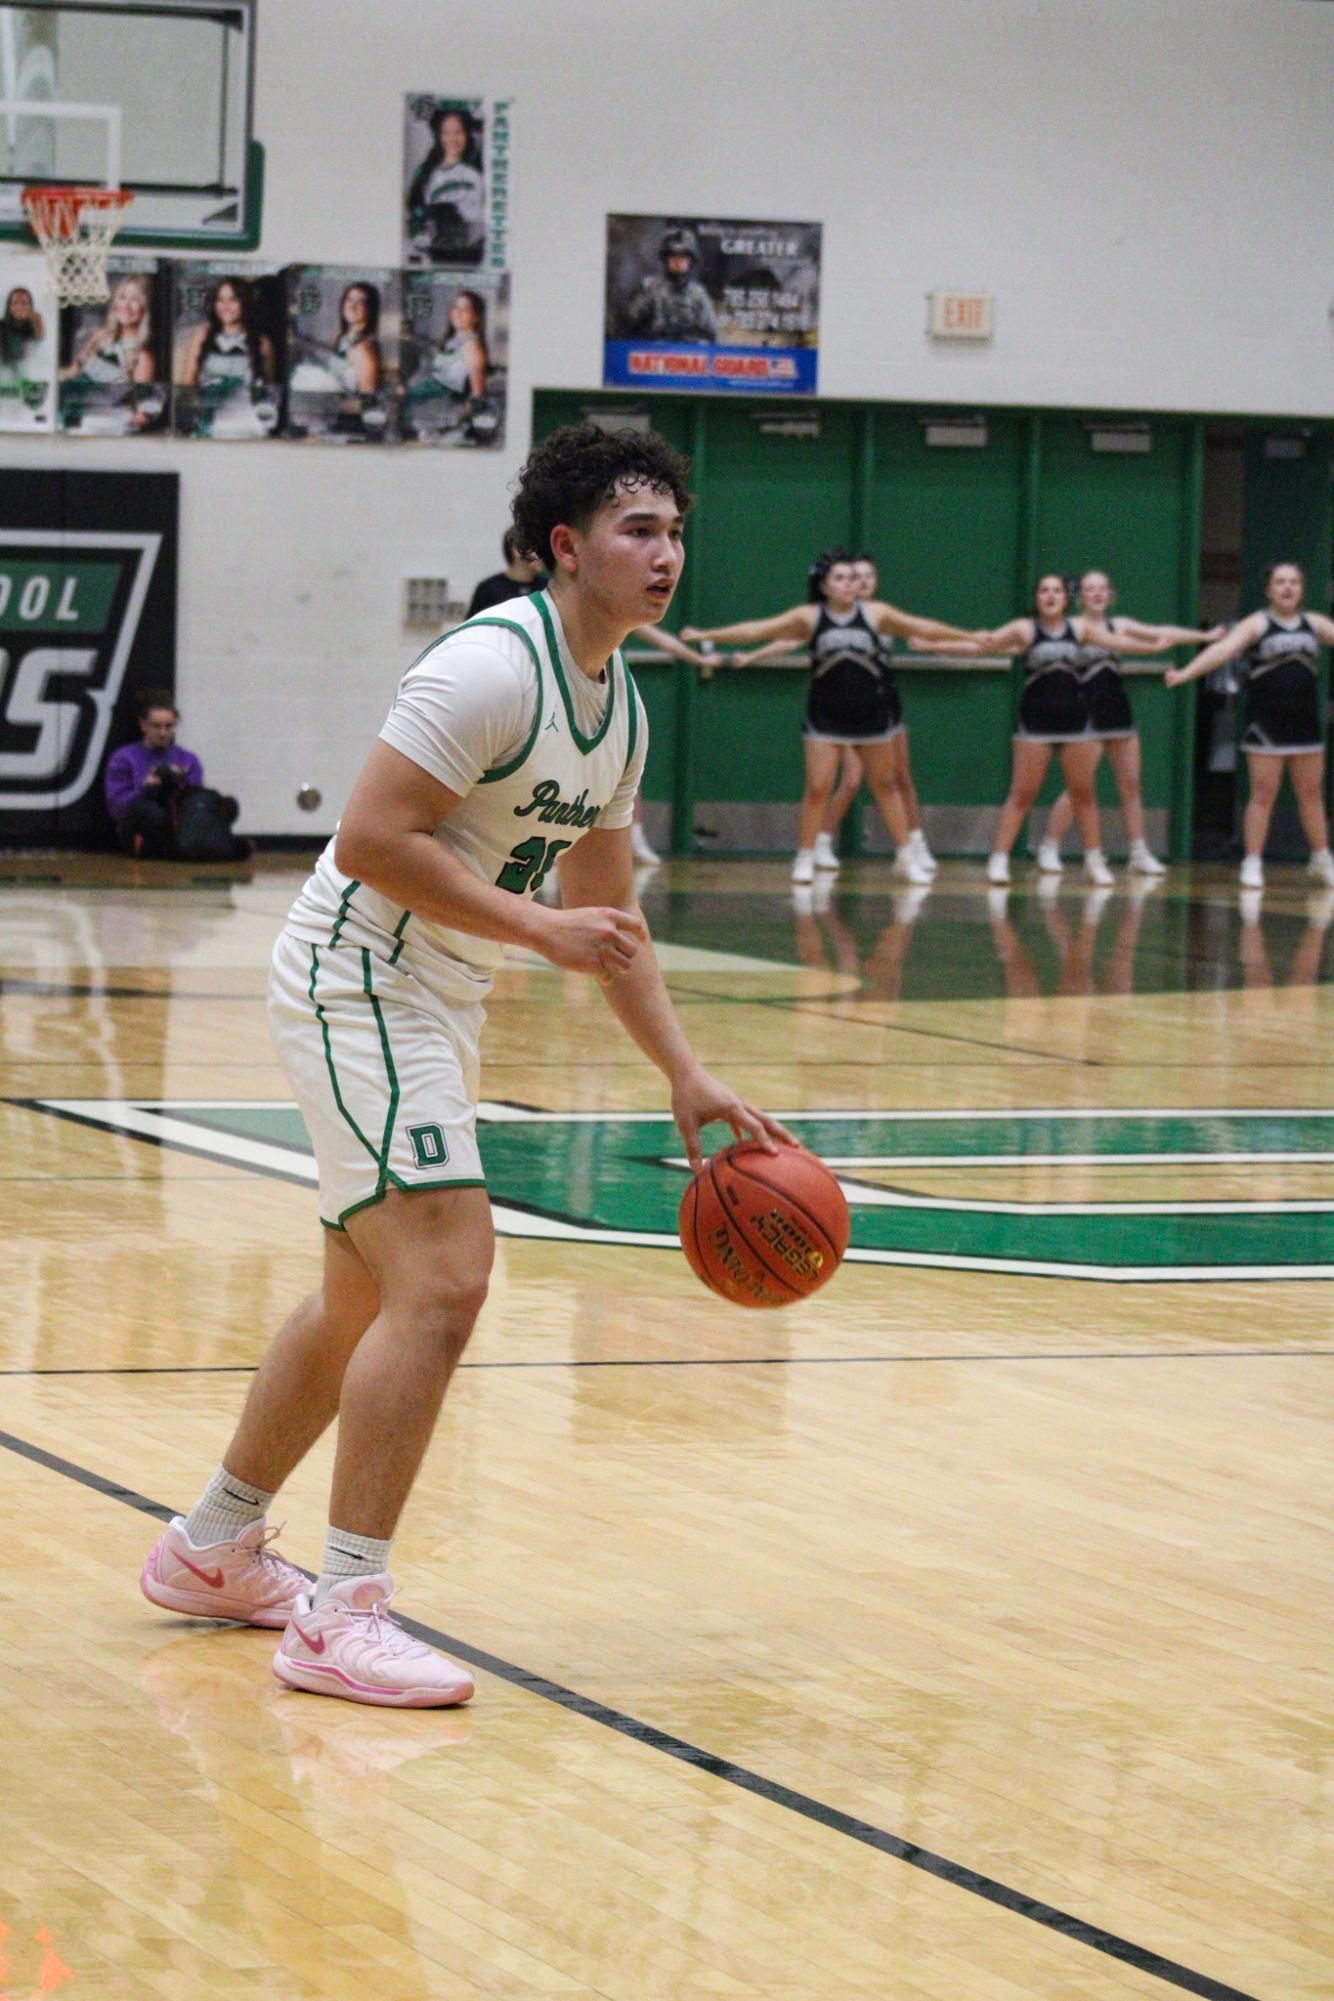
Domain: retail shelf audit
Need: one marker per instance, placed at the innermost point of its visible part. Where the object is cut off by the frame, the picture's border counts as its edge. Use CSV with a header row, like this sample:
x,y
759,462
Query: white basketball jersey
x,y
499,712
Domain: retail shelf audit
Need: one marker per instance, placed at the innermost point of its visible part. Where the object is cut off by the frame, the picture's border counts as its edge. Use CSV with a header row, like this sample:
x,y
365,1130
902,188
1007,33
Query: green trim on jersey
x,y
328,1057
341,919
390,1072
580,741
504,770
399,929
407,1187
632,698
506,625
385,1178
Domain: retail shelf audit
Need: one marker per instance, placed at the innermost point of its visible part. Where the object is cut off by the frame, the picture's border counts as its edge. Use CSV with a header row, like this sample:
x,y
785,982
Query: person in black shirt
x,y
521,575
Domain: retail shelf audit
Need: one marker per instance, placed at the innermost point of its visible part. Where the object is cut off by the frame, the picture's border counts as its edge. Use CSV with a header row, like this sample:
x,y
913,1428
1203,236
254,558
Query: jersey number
x,y
528,864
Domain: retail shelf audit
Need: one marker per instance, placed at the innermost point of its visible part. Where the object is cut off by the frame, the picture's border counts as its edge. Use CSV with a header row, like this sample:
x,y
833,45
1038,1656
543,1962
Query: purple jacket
x,y
131,764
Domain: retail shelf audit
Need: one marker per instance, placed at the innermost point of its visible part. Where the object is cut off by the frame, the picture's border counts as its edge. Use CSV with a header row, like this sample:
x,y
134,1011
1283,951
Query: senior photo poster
x,y
696,303
455,357
229,348
115,358
456,174
28,344
342,353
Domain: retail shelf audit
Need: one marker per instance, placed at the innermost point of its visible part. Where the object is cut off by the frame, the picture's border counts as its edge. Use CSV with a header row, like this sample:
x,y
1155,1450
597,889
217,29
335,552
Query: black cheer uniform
x,y
1054,707
1283,689
1105,691
853,697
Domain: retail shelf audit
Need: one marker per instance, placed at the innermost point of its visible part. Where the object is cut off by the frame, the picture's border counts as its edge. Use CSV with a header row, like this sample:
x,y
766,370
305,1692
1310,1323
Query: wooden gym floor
x,y
962,1633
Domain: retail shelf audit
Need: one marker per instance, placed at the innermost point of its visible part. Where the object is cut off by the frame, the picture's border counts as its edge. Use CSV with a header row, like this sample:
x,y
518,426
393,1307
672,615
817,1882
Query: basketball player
x,y
852,697
1283,721
1053,716
1113,723
850,769
515,743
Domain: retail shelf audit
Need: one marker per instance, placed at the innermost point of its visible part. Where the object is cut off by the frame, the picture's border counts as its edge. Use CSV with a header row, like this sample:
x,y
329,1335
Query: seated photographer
x,y
157,798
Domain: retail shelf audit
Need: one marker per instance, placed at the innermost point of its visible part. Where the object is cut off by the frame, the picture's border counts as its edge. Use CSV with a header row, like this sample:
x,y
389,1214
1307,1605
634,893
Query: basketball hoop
x,y
75,227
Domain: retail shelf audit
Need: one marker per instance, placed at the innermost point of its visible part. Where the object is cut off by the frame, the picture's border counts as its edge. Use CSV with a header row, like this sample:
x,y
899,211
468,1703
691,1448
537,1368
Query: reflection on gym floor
x,y
963,940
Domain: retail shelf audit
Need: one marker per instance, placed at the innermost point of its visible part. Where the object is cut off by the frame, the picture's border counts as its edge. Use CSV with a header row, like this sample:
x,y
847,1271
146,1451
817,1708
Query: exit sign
x,y
960,315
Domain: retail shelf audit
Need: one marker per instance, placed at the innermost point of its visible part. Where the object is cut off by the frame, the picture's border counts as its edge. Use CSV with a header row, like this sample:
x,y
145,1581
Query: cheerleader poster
x,y
27,345
115,358
343,348
455,357
456,183
228,353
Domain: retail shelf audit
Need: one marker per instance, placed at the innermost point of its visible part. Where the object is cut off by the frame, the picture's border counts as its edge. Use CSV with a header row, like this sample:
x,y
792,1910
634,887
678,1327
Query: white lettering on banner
x,y
66,611
497,255
32,601
760,246
28,706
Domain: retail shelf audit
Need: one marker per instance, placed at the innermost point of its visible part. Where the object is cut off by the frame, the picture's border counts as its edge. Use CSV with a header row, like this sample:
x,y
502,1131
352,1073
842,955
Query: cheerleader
x,y
119,350
850,769
228,354
1112,722
852,697
1053,717
1283,723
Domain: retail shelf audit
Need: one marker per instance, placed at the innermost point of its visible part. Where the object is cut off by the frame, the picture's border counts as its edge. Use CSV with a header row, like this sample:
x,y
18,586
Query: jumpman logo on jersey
x,y
554,724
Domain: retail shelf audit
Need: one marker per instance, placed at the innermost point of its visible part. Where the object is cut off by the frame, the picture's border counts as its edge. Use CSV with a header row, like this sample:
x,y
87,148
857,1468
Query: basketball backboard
x,y
152,95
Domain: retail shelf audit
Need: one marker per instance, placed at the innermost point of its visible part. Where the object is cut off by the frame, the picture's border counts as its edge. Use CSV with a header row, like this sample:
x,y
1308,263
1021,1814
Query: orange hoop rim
x,y
58,205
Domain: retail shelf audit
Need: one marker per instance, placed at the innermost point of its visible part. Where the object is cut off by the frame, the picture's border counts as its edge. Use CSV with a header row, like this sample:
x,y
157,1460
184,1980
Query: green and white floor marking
x,y
616,1178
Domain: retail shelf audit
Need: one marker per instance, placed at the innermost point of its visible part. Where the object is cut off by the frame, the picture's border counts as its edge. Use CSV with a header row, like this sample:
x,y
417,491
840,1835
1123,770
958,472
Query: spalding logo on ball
x,y
761,1228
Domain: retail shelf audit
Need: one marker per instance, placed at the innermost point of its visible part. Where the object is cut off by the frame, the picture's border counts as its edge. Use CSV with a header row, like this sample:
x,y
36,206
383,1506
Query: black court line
x,y
801,1007
168,1145
1078,1930
97,990
746,1361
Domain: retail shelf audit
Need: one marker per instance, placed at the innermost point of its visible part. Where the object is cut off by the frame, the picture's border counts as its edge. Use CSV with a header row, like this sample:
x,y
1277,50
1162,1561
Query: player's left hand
x,y
699,1099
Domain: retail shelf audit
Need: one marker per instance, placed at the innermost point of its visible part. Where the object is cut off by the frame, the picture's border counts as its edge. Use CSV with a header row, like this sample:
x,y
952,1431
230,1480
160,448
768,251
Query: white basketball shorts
x,y
385,1075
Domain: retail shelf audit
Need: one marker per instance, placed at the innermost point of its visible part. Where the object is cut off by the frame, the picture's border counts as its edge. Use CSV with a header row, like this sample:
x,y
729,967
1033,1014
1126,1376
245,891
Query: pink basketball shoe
x,y
245,1580
350,1646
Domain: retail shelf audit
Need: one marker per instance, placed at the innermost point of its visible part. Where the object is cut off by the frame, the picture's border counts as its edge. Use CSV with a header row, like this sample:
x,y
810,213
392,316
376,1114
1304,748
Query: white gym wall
x,y
1143,184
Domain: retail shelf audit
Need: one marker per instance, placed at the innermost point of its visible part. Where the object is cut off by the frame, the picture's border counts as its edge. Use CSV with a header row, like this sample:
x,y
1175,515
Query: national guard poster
x,y
711,305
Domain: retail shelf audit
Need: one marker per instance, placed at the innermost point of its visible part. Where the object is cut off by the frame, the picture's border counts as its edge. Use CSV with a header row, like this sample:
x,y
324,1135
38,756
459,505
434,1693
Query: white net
x,y
75,227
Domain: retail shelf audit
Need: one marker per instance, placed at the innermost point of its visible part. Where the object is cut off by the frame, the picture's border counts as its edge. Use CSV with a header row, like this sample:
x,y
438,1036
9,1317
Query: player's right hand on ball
x,y
594,939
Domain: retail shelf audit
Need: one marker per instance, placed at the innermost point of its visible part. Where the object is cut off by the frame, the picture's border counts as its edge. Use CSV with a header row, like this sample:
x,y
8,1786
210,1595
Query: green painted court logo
x,y
1045,1194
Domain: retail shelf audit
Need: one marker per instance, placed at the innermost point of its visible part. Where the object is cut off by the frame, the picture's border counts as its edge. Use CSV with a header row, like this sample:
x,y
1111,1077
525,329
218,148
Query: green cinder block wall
x,y
959,534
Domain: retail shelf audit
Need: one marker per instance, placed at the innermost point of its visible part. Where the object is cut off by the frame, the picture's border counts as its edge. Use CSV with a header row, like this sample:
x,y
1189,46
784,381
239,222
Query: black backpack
x,y
204,826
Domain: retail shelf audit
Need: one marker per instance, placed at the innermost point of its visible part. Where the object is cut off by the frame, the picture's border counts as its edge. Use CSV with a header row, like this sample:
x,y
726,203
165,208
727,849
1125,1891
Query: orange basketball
x,y
763,1229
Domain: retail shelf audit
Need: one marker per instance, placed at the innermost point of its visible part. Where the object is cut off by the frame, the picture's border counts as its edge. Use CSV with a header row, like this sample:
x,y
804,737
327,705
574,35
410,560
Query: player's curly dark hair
x,y
579,468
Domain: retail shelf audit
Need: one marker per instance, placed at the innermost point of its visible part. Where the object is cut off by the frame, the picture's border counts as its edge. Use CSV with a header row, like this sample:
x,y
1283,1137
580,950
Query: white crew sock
x,y
225,1510
824,844
348,1555
1321,857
